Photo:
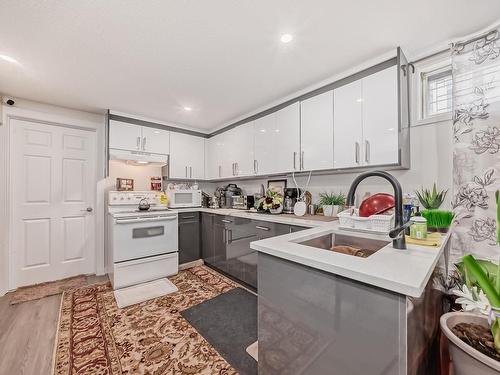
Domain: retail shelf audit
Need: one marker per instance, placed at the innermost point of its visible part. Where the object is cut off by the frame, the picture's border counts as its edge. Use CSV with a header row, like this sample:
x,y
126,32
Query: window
x,y
436,92
431,91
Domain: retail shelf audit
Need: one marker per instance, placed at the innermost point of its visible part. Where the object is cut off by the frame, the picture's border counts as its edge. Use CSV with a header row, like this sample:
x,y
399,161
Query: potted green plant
x,y
474,335
272,203
431,199
438,220
332,203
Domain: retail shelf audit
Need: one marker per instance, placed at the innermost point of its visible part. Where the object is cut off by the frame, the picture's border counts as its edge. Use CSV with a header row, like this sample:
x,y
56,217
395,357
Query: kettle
x,y
144,205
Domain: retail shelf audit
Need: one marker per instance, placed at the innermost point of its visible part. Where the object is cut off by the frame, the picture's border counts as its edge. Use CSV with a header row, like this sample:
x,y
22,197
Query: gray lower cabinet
x,y
226,243
189,237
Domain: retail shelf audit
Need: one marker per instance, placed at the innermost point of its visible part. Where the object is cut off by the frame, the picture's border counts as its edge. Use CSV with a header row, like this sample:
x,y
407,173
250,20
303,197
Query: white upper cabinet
x,y
242,149
316,119
348,125
125,136
215,156
380,118
156,141
277,141
366,121
187,156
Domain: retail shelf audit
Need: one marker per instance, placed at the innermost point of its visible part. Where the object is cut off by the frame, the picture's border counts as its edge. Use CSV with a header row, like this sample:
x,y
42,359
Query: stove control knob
x,y
114,198
121,198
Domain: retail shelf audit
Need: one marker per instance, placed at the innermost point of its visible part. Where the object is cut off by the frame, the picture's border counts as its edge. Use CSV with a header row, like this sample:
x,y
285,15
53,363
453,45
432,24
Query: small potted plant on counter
x,y
332,203
431,200
474,335
272,203
438,220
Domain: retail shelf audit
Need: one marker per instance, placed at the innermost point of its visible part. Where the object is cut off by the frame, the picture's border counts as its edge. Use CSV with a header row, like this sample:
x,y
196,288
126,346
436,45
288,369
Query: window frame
x,y
418,96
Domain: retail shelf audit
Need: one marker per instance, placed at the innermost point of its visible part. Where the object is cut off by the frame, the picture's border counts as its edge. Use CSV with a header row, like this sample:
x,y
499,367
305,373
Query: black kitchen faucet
x,y
398,241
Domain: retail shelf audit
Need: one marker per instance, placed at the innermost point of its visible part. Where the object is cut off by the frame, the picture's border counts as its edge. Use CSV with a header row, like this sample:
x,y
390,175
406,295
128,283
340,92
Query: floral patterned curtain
x,y
476,151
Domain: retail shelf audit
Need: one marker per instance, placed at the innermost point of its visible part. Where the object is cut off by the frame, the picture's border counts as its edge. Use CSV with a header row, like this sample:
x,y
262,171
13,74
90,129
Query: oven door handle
x,y
145,219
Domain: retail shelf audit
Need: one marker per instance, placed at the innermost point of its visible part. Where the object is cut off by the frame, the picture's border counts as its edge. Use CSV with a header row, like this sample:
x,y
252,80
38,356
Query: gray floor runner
x,y
229,323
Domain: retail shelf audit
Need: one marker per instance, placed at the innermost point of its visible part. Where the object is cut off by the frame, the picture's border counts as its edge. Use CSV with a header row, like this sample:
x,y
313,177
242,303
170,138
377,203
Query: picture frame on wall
x,y
124,184
278,186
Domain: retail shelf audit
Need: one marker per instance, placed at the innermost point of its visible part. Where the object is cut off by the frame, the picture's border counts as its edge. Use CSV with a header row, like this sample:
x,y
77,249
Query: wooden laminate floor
x,y
27,333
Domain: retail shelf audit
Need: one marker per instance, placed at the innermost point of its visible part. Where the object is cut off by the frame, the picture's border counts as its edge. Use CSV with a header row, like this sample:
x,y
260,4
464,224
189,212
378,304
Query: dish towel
x,y
433,240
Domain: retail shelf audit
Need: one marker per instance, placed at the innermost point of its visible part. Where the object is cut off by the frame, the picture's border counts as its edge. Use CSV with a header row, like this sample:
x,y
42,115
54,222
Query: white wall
x,y
50,114
141,174
431,161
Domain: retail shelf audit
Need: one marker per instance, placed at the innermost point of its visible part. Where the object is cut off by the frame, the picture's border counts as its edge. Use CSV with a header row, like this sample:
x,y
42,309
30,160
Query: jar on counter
x,y
418,228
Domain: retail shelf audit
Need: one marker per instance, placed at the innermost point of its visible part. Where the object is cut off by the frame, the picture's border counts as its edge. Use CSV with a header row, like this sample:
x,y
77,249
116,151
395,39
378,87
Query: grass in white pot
x,y
332,203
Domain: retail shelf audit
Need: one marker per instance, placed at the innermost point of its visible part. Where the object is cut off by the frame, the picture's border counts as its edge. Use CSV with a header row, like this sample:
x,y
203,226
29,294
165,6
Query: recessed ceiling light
x,y
8,59
286,38
188,109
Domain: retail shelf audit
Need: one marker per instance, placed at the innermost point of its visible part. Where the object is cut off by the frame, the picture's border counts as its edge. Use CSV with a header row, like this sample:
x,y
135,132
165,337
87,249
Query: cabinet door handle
x,y
186,171
138,143
236,169
144,143
255,166
220,173
190,172
356,152
229,236
367,151
226,221
302,160
188,217
295,160
262,228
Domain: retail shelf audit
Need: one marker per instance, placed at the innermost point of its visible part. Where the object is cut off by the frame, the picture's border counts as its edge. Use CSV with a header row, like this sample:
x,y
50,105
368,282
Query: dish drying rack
x,y
350,219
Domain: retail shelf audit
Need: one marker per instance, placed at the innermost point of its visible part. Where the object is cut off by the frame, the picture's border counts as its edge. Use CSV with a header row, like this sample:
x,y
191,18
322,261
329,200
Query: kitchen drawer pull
x,y
188,217
144,143
262,228
367,151
226,221
356,152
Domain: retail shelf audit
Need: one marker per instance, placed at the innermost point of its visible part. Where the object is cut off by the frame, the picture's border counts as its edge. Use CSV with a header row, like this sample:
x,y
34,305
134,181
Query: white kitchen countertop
x,y
282,219
402,271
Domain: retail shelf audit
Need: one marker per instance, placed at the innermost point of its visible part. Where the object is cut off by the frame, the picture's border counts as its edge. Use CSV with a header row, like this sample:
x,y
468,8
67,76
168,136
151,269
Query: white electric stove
x,y
142,245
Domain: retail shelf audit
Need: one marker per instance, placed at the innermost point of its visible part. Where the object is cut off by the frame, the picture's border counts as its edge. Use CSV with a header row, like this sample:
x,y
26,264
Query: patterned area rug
x,y
32,292
96,337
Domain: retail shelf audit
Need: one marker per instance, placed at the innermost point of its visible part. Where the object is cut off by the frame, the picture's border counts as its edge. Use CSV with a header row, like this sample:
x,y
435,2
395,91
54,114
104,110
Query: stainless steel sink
x,y
349,245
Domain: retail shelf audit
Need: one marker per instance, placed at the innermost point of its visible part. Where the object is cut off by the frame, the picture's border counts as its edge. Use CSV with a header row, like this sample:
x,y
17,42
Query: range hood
x,y
138,158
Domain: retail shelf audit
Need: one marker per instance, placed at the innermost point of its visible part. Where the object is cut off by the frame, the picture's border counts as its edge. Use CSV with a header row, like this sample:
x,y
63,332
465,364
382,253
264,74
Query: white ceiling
x,y
223,58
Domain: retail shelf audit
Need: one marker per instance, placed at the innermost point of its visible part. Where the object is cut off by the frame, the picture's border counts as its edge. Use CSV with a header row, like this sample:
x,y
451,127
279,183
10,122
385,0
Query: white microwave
x,y
184,198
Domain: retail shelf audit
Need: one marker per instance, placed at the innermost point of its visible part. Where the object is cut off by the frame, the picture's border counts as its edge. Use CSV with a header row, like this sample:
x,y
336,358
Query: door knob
x,y
88,209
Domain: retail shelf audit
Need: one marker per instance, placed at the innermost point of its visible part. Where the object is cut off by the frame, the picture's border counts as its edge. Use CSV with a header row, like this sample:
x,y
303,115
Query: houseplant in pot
x,y
271,202
431,199
438,220
332,203
474,337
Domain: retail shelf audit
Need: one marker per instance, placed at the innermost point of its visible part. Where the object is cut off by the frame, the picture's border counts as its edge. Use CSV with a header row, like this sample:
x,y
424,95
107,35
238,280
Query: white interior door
x,y
53,182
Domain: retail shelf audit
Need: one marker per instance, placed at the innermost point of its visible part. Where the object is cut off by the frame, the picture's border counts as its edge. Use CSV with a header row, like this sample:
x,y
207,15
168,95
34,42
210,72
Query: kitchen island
x,y
325,312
